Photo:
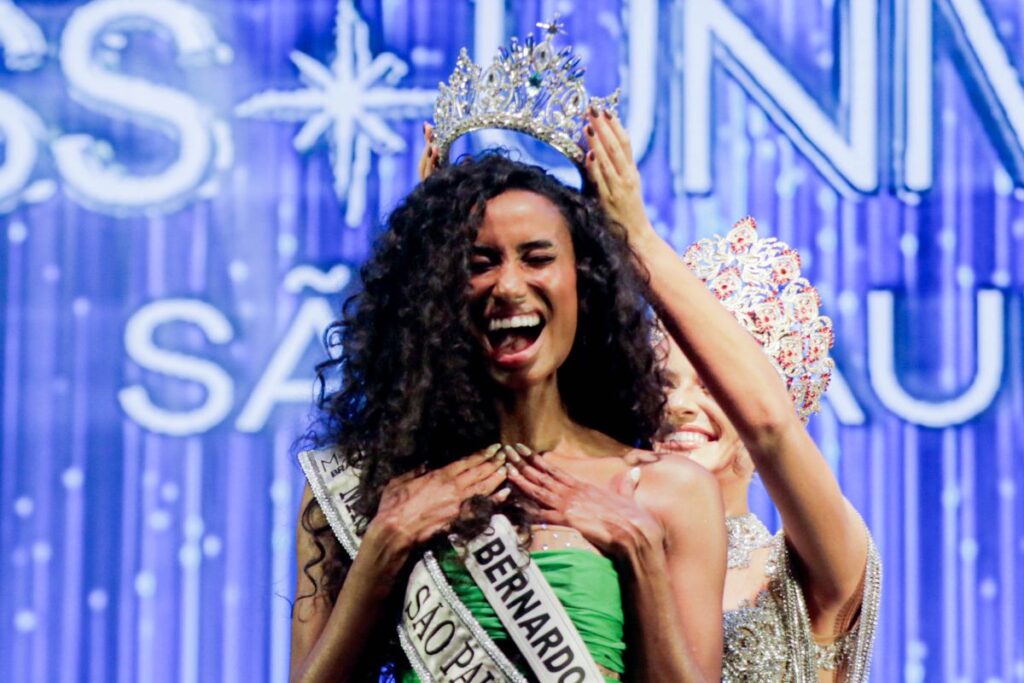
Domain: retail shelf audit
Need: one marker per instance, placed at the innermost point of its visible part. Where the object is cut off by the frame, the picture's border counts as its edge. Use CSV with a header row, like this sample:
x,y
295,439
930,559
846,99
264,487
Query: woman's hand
x,y
611,167
330,641
611,521
428,159
416,505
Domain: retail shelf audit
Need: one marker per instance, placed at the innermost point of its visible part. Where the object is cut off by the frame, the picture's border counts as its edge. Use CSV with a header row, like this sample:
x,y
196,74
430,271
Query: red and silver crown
x,y
758,280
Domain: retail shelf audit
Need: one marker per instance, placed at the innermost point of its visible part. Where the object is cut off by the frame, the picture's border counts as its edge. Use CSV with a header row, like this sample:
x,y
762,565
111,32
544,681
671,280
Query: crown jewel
x,y
758,280
533,88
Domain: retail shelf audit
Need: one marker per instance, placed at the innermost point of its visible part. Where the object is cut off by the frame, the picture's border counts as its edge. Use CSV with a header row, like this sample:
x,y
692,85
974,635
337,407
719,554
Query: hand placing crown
x,y
533,88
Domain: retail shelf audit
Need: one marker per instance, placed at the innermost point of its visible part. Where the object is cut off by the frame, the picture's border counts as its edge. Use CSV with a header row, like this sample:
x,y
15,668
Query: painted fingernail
x,y
492,450
593,110
503,470
523,449
503,494
590,155
511,454
589,130
512,469
607,114
500,457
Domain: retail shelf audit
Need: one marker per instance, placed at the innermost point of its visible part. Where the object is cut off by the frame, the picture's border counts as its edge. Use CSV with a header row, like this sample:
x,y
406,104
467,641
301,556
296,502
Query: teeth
x,y
516,321
687,437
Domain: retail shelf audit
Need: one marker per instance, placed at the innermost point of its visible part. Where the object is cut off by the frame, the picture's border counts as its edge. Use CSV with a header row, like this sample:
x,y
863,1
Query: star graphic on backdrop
x,y
349,103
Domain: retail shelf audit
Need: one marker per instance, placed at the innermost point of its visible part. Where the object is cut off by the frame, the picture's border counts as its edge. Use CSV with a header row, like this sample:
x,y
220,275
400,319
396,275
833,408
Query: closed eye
x,y
539,259
477,266
482,259
537,252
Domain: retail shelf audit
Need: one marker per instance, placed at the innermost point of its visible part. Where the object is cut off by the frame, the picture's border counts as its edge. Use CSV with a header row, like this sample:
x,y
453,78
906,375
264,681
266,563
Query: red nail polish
x,y
588,129
607,114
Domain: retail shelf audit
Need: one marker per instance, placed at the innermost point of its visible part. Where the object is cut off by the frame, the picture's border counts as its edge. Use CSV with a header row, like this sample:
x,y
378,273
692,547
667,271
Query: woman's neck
x,y
534,416
734,495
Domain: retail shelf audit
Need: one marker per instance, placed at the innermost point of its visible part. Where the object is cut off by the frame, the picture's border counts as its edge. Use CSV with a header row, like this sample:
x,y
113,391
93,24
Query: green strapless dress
x,y
584,581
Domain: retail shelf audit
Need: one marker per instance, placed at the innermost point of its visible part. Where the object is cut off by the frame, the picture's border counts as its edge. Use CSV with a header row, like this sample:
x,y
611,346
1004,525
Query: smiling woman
x,y
490,301
523,286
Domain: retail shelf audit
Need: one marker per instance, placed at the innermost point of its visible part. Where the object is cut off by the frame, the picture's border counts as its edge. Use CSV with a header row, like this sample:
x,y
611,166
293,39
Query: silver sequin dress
x,y
769,639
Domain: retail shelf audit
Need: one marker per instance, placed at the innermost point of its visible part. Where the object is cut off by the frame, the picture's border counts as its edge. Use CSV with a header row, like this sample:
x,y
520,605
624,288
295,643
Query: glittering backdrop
x,y
186,186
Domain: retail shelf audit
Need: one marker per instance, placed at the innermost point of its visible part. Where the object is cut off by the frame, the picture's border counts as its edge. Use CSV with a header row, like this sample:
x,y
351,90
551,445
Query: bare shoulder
x,y
307,495
310,516
672,483
317,514
686,499
305,544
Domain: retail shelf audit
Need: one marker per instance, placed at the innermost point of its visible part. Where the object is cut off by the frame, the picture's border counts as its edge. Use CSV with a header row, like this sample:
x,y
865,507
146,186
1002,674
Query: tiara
x,y
531,88
758,280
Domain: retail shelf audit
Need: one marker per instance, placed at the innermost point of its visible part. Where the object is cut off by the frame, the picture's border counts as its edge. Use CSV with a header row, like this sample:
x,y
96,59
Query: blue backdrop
x,y
186,186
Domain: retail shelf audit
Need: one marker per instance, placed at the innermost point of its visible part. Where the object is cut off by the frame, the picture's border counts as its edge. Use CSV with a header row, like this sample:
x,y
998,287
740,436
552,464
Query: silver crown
x,y
531,88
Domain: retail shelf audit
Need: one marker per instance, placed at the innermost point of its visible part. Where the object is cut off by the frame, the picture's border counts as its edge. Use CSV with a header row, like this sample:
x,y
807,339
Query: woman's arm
x,y
821,526
695,552
672,573
333,643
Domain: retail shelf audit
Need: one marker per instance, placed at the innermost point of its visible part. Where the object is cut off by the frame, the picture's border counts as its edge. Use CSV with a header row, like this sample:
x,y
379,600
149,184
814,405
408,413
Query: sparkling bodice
x,y
769,638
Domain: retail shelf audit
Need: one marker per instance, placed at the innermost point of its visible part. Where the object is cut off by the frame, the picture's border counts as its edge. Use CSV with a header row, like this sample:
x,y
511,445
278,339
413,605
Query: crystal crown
x,y
758,280
531,88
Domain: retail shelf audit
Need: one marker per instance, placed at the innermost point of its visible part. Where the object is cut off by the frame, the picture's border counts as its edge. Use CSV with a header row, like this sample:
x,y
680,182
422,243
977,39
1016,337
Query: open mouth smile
x,y
510,338
684,440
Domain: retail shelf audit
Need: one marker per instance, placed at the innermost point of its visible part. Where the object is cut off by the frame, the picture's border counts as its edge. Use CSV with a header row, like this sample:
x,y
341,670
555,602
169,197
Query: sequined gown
x,y
770,639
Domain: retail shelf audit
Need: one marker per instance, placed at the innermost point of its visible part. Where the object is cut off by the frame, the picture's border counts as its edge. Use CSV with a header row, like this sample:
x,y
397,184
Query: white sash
x,y
439,635
527,606
335,489
441,638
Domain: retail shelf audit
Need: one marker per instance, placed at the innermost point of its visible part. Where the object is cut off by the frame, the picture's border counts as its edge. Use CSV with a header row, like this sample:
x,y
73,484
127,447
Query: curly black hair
x,y
412,381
